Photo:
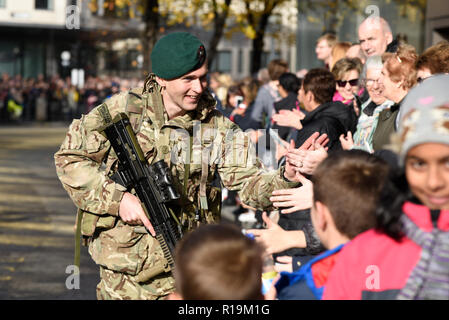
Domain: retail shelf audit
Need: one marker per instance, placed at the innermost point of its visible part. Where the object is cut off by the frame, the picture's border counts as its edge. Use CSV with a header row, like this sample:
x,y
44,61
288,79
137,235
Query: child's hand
x,y
284,263
294,199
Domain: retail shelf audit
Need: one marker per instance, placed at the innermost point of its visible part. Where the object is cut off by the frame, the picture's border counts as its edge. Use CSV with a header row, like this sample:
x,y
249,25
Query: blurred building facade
x,y
36,39
55,36
437,21
30,33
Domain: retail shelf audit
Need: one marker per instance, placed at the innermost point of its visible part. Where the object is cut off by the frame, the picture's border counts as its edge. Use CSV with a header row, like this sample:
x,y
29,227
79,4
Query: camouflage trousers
x,y
125,255
120,286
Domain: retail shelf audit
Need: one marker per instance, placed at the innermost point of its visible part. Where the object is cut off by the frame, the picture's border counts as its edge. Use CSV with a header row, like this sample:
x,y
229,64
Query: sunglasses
x,y
353,82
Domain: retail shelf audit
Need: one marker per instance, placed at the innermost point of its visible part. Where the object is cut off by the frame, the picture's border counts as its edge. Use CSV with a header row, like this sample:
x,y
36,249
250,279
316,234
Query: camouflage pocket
x,y
120,249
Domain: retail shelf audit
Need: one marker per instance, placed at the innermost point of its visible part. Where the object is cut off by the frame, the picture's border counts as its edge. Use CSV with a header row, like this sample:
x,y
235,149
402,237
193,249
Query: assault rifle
x,y
152,184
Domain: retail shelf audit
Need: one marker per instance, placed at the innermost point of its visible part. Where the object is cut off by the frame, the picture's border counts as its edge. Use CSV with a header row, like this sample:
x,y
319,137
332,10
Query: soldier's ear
x,y
161,82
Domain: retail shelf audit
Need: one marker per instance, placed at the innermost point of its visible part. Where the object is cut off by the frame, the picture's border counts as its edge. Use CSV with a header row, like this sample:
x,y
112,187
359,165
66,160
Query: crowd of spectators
x,y
380,107
55,98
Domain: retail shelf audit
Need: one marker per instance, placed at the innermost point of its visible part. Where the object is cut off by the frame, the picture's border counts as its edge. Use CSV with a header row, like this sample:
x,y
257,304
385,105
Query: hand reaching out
x,y
284,263
289,118
295,157
294,199
306,161
275,239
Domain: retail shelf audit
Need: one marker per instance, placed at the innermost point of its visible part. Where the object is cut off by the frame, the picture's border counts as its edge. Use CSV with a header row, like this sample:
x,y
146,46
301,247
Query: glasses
x,y
370,82
352,82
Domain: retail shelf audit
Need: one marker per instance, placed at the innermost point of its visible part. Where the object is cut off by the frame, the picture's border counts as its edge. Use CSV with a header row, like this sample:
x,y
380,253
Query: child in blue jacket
x,y
346,188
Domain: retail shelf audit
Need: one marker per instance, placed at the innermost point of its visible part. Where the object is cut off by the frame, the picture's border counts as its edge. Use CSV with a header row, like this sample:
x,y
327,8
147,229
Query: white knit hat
x,y
425,114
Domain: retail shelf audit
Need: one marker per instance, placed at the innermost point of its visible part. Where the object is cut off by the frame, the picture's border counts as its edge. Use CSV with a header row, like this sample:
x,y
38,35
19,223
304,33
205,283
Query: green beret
x,y
176,54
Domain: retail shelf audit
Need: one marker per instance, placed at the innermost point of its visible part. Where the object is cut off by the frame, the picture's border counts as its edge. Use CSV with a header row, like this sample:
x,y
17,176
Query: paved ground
x,y
37,219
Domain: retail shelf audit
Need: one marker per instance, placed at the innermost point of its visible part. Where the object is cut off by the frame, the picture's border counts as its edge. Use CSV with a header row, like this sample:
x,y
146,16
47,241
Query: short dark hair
x,y
321,83
349,184
218,262
290,82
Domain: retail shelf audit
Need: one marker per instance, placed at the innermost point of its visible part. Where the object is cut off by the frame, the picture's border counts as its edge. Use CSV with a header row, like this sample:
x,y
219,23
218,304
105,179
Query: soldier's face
x,y
183,94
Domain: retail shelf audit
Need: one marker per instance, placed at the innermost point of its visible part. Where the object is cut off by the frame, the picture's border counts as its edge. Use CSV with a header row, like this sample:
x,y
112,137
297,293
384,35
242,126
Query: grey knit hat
x,y
425,114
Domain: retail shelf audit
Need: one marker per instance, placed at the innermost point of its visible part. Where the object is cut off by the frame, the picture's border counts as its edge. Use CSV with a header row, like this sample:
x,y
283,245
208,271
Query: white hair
x,y
374,62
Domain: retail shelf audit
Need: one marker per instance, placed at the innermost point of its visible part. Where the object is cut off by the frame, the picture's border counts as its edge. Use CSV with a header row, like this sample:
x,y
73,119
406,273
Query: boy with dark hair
x,y
218,262
346,188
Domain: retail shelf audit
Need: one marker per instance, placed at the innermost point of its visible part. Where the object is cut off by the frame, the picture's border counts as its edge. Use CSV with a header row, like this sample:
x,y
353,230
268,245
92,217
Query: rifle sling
x,y
79,218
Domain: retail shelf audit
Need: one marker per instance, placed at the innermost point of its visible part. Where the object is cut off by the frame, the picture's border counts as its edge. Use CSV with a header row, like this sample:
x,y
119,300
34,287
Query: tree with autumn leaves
x,y
250,17
224,17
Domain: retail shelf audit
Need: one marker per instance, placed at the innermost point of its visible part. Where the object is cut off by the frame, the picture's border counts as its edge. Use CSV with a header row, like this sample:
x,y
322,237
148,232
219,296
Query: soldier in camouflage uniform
x,y
175,119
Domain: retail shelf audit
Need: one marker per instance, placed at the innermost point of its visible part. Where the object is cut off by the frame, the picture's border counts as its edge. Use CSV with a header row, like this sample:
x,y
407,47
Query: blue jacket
x,y
300,285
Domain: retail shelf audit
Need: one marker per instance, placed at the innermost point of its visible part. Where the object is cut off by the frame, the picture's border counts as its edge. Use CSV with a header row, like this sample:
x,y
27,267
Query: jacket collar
x,y
205,106
421,216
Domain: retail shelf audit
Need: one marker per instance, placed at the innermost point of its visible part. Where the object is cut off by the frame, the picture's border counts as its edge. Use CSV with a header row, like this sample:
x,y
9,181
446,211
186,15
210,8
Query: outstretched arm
x,y
294,199
275,239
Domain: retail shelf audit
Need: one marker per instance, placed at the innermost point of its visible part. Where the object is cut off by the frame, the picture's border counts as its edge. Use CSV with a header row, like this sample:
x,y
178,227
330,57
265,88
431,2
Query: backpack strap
x,y
79,218
205,159
134,108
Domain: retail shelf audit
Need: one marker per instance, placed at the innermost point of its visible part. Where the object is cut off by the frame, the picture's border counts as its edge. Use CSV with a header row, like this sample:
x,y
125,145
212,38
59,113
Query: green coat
x,y
386,125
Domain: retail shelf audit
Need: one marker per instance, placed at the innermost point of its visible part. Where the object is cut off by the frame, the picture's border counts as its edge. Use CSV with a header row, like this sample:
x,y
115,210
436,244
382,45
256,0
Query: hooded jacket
x,y
374,266
332,118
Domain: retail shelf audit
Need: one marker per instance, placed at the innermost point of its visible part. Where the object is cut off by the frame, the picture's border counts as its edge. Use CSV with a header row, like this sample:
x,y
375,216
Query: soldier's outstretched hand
x,y
132,213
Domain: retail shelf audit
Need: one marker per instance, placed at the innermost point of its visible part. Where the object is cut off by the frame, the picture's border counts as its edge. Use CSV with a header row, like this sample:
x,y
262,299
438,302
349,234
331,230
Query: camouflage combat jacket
x,y
204,137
